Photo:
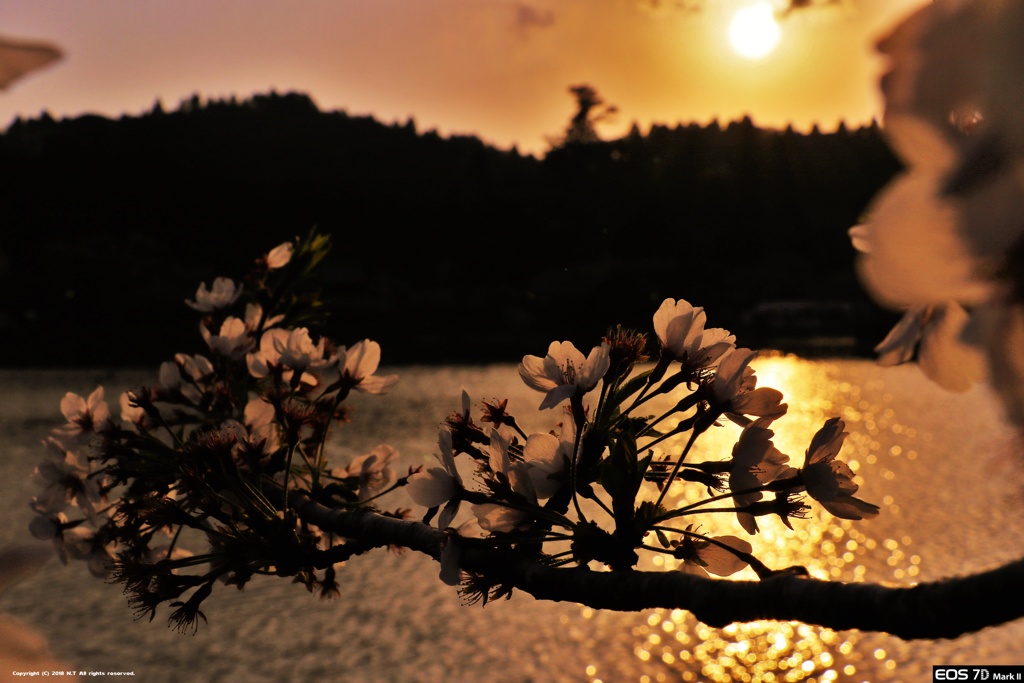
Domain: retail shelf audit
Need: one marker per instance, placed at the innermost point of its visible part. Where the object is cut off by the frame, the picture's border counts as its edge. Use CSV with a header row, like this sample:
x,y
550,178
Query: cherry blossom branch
x,y
941,609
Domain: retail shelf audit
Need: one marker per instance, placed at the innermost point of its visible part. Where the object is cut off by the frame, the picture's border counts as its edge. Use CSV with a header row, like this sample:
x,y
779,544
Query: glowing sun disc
x,y
753,31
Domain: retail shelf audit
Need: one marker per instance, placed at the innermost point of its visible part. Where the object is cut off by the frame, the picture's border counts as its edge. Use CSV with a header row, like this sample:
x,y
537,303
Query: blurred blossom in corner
x,y
21,57
948,228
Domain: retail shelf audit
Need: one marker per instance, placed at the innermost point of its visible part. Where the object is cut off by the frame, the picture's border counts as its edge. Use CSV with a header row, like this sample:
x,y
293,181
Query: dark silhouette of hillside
x,y
445,249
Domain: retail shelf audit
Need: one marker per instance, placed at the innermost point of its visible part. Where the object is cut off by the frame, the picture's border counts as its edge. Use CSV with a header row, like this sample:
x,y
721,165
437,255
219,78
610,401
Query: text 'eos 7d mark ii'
x,y
978,673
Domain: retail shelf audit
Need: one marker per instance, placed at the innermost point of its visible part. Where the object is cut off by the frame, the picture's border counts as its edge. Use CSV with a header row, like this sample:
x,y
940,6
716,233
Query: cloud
x,y
529,18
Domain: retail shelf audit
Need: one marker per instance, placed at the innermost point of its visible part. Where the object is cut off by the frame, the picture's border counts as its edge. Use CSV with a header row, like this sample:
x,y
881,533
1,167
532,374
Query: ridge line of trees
x,y
447,249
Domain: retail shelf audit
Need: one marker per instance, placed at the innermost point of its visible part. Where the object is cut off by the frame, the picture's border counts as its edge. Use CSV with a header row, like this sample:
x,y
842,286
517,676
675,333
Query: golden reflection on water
x,y
840,550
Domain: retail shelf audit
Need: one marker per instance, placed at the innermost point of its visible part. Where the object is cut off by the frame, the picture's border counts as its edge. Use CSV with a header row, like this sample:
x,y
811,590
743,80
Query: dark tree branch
x,y
942,609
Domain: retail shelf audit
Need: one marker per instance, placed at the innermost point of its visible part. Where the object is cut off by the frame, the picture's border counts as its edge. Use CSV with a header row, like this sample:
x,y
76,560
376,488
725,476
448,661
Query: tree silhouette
x,y
591,109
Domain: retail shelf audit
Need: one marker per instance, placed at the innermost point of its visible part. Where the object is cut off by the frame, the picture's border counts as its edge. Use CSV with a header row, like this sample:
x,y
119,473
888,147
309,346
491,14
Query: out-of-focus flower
x,y
66,479
280,256
949,228
22,647
223,293
564,372
295,348
254,320
914,252
186,375
135,415
680,329
47,527
21,57
830,481
80,543
734,391
702,556
935,335
258,416
84,416
372,471
1003,329
291,351
232,341
436,485
243,440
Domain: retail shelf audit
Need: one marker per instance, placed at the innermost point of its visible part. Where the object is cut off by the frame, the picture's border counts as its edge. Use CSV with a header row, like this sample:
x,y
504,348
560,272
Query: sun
x,y
753,31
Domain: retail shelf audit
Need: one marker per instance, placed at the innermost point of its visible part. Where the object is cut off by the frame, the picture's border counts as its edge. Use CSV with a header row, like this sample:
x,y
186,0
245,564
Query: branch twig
x,y
942,609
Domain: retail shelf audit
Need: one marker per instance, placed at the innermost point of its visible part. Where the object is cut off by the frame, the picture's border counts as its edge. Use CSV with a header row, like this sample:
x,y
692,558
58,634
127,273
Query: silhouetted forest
x,y
445,249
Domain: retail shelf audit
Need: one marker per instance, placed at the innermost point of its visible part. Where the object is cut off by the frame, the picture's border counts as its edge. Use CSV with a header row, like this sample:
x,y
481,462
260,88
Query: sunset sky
x,y
498,69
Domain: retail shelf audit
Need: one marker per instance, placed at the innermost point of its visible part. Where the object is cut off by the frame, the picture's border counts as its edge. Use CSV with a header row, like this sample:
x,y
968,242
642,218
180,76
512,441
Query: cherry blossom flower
x,y
258,417
701,556
280,256
84,416
372,471
66,479
830,481
186,375
547,461
254,320
47,526
497,448
292,351
294,348
500,518
80,543
232,341
223,293
734,390
935,335
358,364
436,485
257,441
133,414
680,329
755,461
451,552
914,251
949,227
564,372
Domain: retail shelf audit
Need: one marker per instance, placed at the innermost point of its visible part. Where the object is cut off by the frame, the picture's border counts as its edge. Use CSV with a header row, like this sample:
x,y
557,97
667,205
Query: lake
x,y
944,468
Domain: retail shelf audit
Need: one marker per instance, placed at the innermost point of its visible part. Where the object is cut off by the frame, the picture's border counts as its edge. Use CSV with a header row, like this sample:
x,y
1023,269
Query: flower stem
x,y
675,470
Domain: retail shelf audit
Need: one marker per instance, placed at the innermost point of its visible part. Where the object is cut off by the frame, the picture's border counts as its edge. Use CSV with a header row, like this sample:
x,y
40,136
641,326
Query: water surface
x,y
943,467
